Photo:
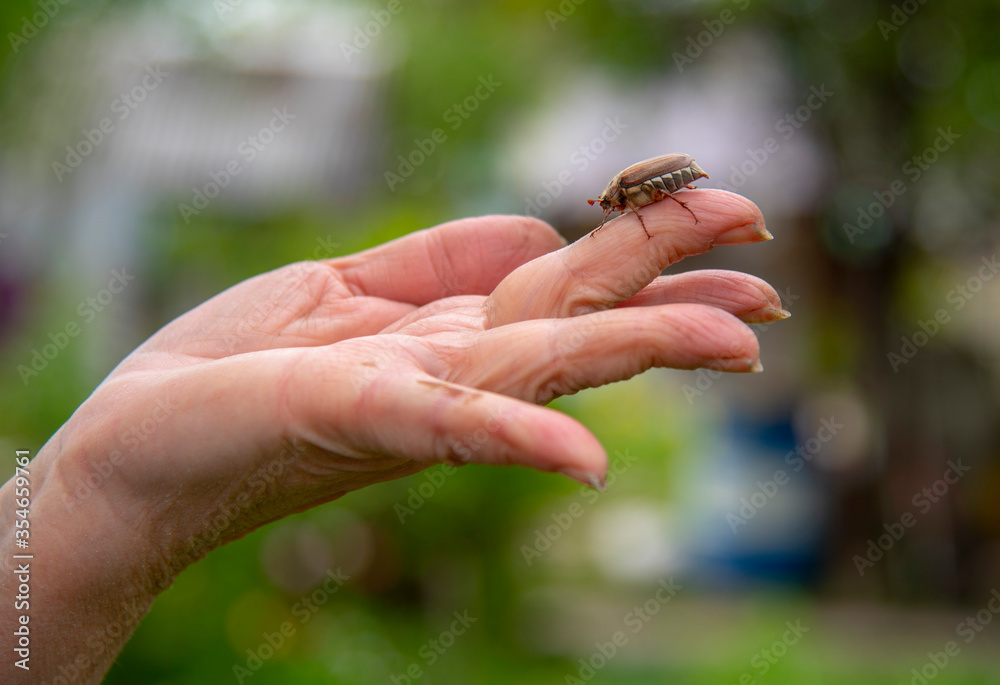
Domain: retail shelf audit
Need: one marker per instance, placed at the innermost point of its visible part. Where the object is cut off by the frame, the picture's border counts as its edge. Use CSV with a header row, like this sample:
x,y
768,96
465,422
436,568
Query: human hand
x,y
319,378
435,347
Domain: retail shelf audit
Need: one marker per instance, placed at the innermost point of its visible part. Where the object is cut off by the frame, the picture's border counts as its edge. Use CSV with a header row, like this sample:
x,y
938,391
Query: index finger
x,y
600,270
463,257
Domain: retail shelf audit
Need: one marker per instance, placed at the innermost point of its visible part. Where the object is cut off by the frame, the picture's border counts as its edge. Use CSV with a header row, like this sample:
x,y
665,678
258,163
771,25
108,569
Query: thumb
x,y
420,417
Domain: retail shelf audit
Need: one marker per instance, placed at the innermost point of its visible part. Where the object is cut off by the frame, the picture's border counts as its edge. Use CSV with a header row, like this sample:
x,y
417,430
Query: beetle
x,y
647,182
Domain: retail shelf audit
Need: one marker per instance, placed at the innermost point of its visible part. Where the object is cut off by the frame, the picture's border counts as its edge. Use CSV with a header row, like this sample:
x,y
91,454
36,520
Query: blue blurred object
x,y
758,510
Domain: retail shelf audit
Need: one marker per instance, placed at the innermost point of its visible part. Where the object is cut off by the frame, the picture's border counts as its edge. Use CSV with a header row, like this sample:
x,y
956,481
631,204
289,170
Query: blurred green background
x,y
867,132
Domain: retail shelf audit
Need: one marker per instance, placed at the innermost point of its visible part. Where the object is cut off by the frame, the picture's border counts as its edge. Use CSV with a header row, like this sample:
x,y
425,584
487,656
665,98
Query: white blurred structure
x,y
254,107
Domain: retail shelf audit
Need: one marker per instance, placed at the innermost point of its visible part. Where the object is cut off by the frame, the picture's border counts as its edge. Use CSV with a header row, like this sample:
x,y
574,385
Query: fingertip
x,y
453,422
510,241
539,233
552,441
735,365
748,297
723,217
766,314
538,237
720,337
585,478
735,204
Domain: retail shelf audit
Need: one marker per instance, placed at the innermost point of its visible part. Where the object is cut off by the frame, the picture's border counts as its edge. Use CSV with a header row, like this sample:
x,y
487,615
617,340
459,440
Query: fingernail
x,y
765,315
585,477
741,235
734,365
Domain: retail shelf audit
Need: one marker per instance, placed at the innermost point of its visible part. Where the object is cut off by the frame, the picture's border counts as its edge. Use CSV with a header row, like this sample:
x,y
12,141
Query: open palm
x,y
302,384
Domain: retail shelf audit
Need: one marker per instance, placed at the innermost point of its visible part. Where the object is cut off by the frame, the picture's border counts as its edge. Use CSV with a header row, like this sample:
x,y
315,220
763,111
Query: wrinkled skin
x,y
333,375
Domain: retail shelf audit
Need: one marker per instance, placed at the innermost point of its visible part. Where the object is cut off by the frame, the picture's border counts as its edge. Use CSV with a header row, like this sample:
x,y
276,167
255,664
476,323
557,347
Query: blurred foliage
x,y
463,545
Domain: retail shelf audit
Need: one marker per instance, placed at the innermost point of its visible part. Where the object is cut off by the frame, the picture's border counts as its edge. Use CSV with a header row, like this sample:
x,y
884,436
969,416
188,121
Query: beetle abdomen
x,y
653,189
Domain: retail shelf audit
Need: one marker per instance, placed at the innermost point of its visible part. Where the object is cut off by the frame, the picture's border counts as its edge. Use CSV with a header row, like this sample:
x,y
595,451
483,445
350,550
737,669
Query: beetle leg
x,y
659,194
641,222
684,205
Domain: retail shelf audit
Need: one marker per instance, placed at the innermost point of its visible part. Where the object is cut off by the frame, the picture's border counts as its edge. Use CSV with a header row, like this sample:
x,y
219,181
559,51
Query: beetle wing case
x,y
654,167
